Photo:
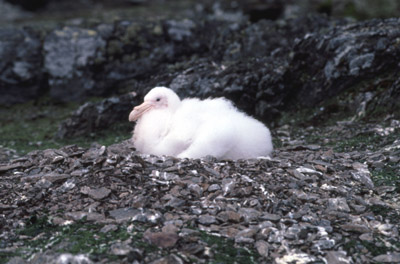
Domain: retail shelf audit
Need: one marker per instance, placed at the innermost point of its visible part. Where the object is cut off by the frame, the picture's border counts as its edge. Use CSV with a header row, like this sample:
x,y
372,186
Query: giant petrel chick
x,y
193,128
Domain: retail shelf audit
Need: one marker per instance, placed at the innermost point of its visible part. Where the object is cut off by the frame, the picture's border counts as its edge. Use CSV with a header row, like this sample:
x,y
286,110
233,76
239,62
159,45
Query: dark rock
x,y
346,54
199,77
265,86
12,13
91,117
21,73
29,5
180,30
271,57
258,10
69,56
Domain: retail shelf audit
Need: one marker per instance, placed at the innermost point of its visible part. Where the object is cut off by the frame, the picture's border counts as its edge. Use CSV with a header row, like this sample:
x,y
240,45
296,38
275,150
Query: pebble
x,y
96,194
161,239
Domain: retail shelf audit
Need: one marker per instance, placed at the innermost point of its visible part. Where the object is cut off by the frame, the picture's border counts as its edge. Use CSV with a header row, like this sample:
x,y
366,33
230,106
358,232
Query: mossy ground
x,y
226,252
32,126
379,246
83,237
388,174
321,125
78,238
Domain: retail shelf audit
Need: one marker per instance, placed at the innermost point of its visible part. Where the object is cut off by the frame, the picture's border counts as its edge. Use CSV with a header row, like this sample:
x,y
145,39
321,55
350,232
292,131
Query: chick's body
x,y
194,128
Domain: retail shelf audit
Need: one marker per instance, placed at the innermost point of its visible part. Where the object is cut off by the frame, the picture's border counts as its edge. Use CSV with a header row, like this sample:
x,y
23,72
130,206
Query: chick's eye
x,y
158,99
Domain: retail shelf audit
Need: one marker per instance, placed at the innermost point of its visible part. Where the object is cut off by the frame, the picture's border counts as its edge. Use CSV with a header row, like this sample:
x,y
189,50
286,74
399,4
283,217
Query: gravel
x,y
306,203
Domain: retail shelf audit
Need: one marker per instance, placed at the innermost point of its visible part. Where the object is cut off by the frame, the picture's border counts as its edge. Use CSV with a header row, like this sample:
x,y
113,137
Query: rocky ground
x,y
321,198
327,85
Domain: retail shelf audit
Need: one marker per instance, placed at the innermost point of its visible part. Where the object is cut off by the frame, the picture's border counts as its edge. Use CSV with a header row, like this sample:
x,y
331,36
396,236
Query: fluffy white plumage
x,y
194,128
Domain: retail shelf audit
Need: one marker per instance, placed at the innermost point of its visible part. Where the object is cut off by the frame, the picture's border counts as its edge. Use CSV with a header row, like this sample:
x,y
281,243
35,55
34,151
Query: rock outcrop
x,y
21,65
264,66
267,68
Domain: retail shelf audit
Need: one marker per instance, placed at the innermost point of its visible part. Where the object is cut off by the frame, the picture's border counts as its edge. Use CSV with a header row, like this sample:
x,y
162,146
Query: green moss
x,y
359,142
85,238
32,126
35,226
225,251
376,247
276,142
78,238
373,247
368,9
6,256
323,115
350,11
380,210
387,175
369,140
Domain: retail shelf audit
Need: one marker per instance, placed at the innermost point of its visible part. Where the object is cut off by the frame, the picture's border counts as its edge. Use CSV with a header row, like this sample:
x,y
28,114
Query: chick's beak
x,y
139,110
